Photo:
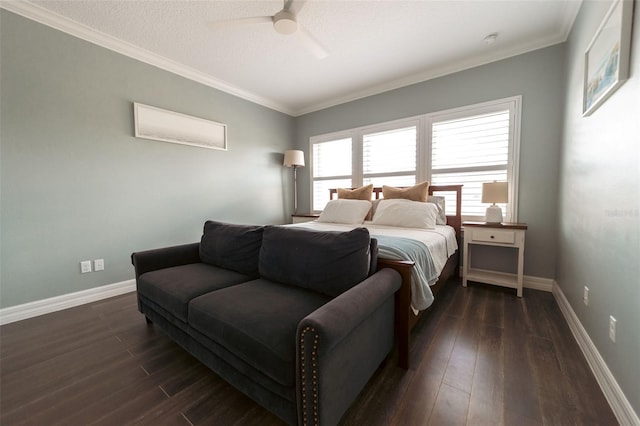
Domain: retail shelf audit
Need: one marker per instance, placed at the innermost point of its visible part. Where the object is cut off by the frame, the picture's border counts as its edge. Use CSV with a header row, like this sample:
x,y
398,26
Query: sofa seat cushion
x,y
173,288
256,321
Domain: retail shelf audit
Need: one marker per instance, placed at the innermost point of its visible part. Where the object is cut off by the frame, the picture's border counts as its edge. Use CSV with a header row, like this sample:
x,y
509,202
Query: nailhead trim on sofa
x,y
314,375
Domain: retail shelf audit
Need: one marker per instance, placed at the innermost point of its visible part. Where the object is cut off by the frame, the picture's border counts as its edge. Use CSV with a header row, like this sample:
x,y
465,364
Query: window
x,y
473,145
467,146
390,153
332,168
381,154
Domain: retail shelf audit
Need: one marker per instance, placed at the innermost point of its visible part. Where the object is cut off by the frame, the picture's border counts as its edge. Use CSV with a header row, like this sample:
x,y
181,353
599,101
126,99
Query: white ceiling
x,y
373,45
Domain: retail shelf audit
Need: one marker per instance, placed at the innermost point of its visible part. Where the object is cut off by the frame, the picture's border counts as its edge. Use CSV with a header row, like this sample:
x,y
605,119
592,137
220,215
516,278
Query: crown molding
x,y
432,73
568,18
570,13
76,29
86,33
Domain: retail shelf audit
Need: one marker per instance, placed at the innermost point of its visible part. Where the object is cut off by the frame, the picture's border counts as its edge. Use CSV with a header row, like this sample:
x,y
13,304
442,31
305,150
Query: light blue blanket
x,y
423,273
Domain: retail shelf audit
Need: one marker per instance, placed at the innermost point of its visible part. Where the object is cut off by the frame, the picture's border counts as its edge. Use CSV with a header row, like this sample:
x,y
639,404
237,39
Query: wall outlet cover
x,y
585,296
612,328
98,265
85,266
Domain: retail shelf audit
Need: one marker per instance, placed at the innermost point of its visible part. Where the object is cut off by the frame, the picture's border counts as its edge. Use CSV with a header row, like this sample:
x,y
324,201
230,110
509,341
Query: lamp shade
x,y
495,192
293,158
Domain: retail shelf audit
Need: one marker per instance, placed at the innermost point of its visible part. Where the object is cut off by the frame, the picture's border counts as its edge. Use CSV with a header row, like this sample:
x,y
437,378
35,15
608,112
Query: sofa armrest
x,y
167,257
337,318
341,344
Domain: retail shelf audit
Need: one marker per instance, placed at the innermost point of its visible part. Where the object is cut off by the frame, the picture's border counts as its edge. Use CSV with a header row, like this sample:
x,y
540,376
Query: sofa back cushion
x,y
327,262
234,247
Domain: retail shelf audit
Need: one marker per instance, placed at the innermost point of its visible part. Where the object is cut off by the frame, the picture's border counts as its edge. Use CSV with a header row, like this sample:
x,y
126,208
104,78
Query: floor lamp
x,y
294,158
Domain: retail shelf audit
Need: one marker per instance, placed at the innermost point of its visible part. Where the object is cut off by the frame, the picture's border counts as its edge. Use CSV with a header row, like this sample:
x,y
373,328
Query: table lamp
x,y
494,192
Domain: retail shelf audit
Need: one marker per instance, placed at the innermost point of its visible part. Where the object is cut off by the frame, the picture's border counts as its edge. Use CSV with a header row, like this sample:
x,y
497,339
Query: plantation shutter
x,y
389,157
332,168
469,151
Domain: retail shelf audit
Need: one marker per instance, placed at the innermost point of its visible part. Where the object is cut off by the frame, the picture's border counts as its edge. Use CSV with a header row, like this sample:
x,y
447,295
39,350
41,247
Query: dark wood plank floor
x,y
481,356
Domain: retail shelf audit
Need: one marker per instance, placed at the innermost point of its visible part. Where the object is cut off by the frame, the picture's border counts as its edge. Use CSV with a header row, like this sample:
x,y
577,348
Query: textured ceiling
x,y
373,45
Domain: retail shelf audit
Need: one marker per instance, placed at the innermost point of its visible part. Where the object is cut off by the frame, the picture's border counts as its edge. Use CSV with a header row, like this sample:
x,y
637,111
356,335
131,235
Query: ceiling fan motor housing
x,y
285,22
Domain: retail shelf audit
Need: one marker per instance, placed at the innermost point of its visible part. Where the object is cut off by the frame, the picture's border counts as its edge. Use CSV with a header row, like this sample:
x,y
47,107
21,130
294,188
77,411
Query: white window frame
x,y
514,105
357,137
424,126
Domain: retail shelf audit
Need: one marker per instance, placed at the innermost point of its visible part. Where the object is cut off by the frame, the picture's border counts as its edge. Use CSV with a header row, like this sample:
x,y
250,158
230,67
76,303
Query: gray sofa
x,y
297,320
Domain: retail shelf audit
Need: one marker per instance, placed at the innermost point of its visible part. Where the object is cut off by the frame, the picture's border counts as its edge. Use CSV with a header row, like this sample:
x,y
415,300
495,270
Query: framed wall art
x,y
606,60
168,126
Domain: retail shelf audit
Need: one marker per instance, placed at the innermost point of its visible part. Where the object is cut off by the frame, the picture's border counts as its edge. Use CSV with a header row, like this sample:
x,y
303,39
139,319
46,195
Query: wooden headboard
x,y
455,220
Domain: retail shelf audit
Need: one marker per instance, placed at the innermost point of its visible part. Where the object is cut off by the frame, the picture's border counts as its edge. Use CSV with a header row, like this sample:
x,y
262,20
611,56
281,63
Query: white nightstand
x,y
303,217
510,235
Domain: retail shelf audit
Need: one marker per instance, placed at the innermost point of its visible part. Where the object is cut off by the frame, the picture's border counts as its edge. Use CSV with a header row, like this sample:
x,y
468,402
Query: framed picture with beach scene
x,y
606,60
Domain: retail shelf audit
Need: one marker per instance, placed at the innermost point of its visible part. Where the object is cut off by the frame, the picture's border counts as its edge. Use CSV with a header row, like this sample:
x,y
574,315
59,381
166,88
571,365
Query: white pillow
x,y
406,214
345,211
438,200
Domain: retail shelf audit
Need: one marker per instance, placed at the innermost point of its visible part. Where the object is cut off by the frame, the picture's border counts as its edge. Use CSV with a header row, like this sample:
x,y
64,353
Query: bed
x,y
420,284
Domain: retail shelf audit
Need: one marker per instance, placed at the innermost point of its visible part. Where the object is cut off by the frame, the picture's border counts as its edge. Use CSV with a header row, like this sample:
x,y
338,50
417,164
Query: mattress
x,y
428,248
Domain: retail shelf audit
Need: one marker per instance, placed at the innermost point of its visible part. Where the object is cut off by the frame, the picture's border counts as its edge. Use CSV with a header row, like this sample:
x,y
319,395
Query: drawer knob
x,y
492,237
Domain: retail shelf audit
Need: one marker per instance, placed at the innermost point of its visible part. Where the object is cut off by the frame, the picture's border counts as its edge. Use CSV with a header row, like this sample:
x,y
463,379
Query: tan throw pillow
x,y
362,193
419,192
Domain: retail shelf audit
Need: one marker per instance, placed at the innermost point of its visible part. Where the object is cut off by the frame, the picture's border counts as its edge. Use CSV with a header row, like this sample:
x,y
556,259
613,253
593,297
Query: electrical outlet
x,y
98,265
585,296
612,328
85,266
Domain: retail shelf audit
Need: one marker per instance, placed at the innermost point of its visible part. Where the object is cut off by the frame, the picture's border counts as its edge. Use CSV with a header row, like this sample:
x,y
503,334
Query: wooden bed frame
x,y
405,318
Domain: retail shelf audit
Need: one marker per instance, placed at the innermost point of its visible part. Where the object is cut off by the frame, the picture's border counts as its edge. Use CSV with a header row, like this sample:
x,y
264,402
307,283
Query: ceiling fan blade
x,y
287,4
312,44
240,22
294,6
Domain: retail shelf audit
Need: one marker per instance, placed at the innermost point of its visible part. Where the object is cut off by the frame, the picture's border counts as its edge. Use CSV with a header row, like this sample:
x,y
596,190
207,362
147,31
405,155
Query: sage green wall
x,y
538,76
76,185
599,219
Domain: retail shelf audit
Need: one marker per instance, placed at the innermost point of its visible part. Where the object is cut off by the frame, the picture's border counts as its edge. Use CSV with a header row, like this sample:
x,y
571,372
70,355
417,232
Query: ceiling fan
x,y
284,22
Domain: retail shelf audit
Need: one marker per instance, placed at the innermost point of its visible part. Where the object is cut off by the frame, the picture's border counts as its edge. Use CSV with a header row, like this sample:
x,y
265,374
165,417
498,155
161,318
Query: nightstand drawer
x,y
494,236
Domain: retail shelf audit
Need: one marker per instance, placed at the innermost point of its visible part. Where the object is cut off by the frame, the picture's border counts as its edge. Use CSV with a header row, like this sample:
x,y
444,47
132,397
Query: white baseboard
x,y
58,303
534,283
538,283
617,400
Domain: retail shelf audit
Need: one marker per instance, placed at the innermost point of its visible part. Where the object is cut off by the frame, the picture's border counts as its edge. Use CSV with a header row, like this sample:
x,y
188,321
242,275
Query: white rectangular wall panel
x,y
168,126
